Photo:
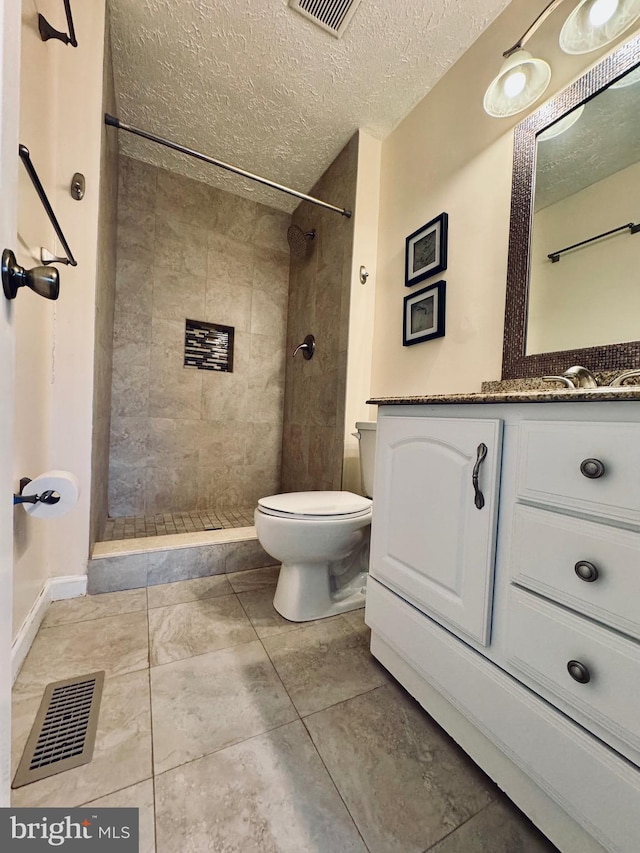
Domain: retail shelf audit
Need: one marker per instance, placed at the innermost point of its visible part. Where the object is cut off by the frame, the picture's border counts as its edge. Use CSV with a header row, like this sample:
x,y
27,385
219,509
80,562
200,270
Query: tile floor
x,y
165,523
233,730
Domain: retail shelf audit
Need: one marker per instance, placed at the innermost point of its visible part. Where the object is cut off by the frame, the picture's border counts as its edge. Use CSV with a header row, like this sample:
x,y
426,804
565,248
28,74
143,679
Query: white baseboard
x,y
55,589
69,586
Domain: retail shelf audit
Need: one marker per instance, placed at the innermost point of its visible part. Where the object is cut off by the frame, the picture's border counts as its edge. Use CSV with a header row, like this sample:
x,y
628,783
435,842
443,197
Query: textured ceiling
x,y
259,86
604,140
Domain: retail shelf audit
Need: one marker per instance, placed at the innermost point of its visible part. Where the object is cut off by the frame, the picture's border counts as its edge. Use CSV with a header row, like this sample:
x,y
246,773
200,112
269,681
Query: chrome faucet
x,y
575,377
622,379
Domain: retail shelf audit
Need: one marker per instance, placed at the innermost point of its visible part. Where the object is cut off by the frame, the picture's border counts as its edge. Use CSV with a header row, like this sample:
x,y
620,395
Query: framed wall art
x,y
424,314
426,250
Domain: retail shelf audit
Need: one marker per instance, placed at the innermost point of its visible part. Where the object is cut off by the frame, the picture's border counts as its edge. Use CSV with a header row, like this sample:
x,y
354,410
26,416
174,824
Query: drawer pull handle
x,y
592,468
482,455
579,672
586,571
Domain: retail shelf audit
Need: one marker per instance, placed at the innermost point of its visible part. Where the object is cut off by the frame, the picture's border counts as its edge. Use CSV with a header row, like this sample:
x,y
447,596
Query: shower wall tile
x,y
319,301
175,391
130,441
180,246
225,397
269,314
229,304
126,488
237,217
270,230
130,383
187,200
136,234
222,443
173,442
229,261
137,184
171,485
219,486
134,287
172,299
271,270
188,250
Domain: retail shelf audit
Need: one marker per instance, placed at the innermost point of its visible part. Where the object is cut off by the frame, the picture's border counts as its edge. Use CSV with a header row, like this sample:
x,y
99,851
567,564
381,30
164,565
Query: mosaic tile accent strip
x,y
208,346
165,523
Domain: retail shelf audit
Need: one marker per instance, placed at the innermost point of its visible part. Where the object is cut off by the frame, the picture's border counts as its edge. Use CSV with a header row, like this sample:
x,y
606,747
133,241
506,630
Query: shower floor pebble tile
x,y
296,743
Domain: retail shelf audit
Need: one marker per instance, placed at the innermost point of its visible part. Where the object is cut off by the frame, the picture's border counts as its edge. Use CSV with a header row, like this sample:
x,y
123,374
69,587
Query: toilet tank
x,y
367,437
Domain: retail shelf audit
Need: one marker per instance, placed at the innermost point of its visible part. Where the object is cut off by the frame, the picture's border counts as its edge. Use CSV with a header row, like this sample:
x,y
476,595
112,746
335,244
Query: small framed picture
x,y
424,314
426,251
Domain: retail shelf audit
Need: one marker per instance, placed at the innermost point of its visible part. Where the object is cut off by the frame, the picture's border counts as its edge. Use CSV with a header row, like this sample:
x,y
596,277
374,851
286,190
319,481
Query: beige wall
x,y
61,124
448,155
591,296
183,438
319,298
105,303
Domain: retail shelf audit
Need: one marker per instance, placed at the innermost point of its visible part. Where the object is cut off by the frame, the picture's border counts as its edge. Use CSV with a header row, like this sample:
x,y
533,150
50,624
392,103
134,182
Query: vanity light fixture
x,y
523,78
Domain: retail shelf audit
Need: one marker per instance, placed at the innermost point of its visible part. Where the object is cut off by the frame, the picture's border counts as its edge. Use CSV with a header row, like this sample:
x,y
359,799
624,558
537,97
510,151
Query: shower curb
x,y
136,563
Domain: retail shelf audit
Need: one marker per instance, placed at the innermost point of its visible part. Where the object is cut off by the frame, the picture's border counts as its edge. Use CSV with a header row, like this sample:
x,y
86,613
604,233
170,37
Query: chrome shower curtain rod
x,y
112,121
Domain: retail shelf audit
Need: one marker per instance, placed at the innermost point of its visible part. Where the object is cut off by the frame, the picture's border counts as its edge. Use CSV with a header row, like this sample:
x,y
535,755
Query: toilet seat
x,y
315,505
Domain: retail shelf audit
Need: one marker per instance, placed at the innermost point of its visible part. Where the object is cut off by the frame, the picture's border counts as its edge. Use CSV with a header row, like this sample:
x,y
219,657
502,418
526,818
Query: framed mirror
x,y
573,288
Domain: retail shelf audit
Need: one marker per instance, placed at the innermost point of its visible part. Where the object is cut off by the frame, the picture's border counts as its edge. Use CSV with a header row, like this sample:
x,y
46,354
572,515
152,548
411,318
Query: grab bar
x,y
23,151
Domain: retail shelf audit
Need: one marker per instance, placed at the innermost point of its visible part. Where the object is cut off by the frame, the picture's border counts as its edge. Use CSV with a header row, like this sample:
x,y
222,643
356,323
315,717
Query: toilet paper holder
x,y
49,496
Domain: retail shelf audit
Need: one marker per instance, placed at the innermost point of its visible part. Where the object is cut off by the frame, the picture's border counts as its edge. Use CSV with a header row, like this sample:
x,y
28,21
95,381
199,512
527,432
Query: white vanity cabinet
x,y
531,660
436,506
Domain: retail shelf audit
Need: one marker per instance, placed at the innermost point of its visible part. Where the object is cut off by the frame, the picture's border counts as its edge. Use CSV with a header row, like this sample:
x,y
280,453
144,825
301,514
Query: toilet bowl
x,y
322,540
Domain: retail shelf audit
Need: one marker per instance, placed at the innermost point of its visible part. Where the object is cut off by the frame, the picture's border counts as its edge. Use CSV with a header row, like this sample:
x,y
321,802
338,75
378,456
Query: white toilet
x,y
322,540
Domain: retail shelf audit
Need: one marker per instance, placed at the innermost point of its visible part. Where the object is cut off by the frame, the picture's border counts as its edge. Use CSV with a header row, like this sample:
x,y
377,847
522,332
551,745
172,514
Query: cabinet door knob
x,y
586,571
578,671
592,468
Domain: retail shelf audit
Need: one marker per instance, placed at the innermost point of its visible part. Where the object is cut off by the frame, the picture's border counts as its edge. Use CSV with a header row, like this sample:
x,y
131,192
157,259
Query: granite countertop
x,y
521,391
553,396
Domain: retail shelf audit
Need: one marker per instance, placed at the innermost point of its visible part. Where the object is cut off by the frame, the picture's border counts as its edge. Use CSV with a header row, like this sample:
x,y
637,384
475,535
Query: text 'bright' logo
x,y
55,833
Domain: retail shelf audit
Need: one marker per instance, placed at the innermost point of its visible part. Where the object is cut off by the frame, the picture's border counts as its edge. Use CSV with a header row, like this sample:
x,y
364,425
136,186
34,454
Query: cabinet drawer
x,y
550,454
545,549
541,640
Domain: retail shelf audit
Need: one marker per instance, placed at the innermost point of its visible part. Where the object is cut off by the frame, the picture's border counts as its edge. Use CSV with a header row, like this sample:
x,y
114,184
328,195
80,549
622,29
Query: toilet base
x,y
304,592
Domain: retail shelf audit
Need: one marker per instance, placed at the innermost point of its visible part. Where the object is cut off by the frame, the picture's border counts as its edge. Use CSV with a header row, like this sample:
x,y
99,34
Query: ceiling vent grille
x,y
332,15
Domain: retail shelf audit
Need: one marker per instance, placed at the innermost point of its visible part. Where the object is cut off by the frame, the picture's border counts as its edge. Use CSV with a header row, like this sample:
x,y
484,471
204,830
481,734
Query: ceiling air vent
x,y
332,15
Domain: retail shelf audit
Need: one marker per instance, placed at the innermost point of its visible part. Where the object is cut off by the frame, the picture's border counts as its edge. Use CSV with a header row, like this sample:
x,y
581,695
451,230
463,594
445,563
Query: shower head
x,y
298,240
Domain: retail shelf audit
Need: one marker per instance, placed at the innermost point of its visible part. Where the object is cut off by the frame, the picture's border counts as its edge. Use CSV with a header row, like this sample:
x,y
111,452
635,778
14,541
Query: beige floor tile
x,y
140,797
324,663
498,828
252,579
115,644
197,627
270,794
258,605
208,702
404,781
95,607
165,594
122,754
23,714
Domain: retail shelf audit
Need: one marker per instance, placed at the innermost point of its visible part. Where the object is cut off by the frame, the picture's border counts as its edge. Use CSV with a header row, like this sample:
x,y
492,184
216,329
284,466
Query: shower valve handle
x,y
308,347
